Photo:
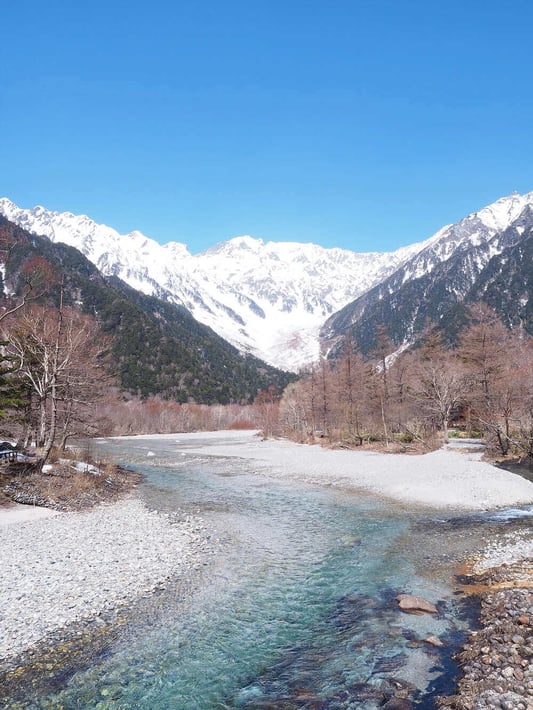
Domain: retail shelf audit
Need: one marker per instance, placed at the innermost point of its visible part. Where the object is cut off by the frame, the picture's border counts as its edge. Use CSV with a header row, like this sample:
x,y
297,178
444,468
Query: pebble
x,y
75,566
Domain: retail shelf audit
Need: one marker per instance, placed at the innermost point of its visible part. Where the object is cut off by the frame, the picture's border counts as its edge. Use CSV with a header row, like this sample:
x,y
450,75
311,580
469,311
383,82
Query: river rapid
x,y
293,605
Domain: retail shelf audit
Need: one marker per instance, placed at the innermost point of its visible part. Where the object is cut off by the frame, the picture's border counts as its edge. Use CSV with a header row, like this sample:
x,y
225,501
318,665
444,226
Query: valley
x,y
286,303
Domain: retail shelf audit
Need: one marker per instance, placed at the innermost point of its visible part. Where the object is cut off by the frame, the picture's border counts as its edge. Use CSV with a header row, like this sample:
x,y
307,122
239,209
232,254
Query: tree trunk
x,y
445,425
503,442
53,424
385,431
41,438
53,388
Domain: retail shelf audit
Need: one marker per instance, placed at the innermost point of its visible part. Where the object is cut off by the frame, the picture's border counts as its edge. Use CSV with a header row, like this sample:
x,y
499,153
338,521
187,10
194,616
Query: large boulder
x,y
415,605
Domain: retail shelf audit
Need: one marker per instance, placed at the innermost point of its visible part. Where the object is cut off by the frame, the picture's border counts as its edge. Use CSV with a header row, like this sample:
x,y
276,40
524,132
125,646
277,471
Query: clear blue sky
x,y
366,125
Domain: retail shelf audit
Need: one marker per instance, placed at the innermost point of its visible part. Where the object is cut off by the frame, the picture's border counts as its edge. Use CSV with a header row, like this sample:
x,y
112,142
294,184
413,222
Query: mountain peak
x,y
235,244
500,214
246,242
270,298
457,267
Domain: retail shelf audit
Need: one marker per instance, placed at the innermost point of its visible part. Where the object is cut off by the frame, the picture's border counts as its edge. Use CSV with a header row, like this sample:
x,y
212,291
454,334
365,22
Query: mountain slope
x,y
427,288
269,299
272,299
506,284
158,347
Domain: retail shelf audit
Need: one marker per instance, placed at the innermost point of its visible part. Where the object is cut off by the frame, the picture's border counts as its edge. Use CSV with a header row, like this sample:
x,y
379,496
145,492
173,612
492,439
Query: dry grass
x,y
5,501
64,488
415,447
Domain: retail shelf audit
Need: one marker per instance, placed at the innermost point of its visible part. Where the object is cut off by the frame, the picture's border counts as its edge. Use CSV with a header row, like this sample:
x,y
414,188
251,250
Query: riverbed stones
x,y
73,567
398,704
496,660
434,641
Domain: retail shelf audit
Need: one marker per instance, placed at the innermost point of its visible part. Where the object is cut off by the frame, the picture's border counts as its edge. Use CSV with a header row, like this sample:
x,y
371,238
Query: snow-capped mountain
x,y
445,272
271,299
156,348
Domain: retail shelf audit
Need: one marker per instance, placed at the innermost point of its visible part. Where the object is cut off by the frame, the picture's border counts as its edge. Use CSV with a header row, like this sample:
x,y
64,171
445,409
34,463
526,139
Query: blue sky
x,y
364,125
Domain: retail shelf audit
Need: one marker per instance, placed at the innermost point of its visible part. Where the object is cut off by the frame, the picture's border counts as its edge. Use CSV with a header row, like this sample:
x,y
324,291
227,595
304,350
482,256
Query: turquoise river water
x,y
293,607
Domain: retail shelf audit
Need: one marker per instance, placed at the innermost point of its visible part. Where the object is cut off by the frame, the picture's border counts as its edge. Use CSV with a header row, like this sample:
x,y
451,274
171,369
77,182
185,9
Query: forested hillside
x,y
156,347
496,270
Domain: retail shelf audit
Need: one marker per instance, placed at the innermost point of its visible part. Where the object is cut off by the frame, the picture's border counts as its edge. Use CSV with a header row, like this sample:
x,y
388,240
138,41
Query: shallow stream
x,y
296,606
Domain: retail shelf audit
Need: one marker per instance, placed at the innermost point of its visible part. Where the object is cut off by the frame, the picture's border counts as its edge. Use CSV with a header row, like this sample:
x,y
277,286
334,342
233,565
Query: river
x,y
294,607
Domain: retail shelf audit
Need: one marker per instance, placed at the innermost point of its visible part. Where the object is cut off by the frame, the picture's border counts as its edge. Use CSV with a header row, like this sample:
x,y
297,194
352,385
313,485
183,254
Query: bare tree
x,y
486,348
350,387
36,277
380,378
266,406
294,414
59,358
438,381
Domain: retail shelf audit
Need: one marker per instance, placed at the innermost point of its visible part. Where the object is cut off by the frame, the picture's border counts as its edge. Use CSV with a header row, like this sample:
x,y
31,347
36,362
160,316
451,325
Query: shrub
x,y
242,424
404,437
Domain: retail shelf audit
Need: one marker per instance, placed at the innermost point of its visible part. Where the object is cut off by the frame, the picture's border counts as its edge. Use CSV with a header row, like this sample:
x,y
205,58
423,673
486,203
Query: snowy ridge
x,y
439,275
475,229
267,298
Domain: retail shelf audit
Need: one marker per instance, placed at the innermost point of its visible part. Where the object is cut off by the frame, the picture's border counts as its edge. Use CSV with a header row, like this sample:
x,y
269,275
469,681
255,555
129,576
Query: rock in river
x,y
415,605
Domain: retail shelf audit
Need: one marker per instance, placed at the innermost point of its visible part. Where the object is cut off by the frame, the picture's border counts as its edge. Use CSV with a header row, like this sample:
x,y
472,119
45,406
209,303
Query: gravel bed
x,y
497,673
440,479
496,661
505,550
75,566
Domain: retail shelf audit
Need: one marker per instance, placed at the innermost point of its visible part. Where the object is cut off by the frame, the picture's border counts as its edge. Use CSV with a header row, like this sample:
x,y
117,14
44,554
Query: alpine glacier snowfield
x,y
266,298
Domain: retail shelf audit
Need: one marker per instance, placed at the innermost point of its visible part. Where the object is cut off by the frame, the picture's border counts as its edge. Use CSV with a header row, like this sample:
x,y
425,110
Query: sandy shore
x,y
441,479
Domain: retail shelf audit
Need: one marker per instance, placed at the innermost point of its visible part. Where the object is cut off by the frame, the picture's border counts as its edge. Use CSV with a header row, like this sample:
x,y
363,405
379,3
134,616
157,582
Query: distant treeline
x,y
483,385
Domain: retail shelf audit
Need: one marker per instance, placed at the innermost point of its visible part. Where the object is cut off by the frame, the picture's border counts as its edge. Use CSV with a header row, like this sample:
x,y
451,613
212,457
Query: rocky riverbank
x,y
496,661
71,581
75,567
